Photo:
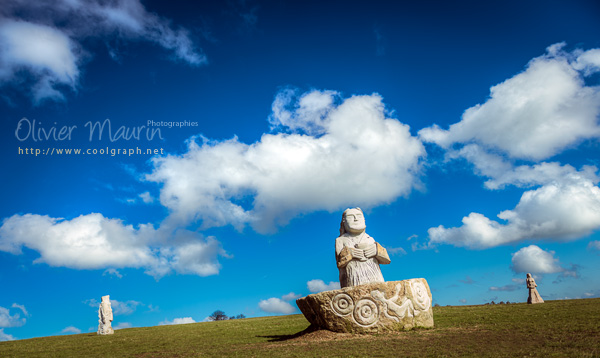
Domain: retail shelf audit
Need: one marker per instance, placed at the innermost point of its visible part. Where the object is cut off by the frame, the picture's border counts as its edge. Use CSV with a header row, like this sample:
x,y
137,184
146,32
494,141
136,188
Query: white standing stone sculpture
x,y
366,303
105,316
534,295
358,256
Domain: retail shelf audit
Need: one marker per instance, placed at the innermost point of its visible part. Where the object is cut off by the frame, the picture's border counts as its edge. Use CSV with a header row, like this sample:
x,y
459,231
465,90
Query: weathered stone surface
x,y
370,308
105,316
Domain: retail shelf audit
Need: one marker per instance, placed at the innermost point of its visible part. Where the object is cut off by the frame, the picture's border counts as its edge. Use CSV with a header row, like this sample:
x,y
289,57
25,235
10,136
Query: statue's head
x,y
353,221
106,298
528,275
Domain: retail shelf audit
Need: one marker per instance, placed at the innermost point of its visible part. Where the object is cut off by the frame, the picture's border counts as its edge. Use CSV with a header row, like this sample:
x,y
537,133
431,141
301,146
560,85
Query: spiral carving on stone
x,y
342,304
420,296
366,312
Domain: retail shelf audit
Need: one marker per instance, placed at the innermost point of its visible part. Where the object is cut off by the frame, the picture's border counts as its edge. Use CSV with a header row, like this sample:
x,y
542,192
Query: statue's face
x,y
355,221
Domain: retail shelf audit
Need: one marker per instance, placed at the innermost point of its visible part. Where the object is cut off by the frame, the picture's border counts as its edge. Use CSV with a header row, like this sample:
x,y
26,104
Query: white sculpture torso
x,y
357,254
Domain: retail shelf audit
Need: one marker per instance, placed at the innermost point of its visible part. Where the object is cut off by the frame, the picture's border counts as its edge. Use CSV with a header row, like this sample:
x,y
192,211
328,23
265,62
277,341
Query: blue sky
x,y
467,132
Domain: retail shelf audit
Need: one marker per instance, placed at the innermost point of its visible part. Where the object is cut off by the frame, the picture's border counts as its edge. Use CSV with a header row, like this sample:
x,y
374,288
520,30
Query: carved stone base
x,y
370,308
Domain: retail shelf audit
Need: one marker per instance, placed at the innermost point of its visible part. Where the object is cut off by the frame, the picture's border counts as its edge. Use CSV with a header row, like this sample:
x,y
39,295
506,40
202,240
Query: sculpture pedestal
x,y
371,308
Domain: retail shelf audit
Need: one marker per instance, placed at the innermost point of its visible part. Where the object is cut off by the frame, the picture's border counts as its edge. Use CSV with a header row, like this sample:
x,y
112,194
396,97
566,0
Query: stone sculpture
x,y
366,303
358,256
371,308
534,295
105,316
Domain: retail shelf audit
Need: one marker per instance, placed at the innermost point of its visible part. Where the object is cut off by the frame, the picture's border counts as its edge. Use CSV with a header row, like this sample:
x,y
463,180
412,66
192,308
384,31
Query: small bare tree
x,y
218,315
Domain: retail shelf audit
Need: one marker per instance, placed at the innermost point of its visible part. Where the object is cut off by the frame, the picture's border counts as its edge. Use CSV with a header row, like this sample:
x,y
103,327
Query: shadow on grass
x,y
285,337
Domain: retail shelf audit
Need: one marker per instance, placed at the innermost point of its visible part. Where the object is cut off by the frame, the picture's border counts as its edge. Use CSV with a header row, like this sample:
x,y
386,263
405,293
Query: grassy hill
x,y
569,328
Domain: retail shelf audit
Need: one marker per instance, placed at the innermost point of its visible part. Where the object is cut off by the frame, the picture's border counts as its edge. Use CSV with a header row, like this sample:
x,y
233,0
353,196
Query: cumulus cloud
x,y
5,336
184,320
315,286
560,211
276,305
532,259
501,172
532,116
44,37
71,330
10,320
588,62
535,114
95,242
291,296
337,153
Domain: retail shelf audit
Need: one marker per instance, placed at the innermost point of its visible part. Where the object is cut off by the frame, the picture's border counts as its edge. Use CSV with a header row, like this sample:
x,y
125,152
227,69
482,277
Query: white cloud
x,y
45,51
532,259
184,320
5,336
533,115
45,37
501,172
21,307
276,305
359,157
594,245
123,325
291,296
8,320
316,286
146,197
308,114
560,211
113,272
396,251
124,307
588,62
95,242
71,330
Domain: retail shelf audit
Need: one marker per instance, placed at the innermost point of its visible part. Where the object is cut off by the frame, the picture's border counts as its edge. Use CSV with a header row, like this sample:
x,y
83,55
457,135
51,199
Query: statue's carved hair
x,y
342,227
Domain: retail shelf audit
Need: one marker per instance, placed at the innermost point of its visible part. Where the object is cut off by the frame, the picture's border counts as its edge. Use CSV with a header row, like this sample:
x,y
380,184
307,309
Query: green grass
x,y
568,328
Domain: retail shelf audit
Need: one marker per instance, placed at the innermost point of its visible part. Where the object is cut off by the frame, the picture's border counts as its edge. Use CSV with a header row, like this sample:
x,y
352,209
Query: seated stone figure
x,y
358,256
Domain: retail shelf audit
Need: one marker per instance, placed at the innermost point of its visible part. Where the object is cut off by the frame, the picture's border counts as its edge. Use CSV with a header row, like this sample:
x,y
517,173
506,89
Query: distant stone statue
x,y
534,295
358,256
105,316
